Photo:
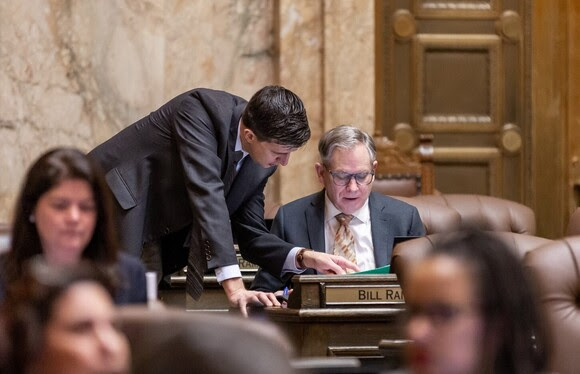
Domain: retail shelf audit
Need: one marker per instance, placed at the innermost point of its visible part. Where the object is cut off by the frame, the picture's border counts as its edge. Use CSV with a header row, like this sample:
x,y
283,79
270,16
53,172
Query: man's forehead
x,y
281,148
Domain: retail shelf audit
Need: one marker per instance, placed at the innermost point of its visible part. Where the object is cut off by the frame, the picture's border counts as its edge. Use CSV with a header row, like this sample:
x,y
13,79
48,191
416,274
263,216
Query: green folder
x,y
381,270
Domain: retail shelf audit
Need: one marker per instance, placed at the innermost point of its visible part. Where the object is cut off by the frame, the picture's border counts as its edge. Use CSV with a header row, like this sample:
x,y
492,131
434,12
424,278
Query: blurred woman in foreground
x,y
472,310
65,213
59,319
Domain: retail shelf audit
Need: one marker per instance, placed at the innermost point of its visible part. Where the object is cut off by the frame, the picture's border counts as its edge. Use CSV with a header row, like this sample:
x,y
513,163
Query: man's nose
x,y
352,185
283,160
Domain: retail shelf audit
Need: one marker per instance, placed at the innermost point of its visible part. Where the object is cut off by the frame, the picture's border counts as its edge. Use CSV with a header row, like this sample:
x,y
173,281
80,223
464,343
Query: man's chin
x,y
350,206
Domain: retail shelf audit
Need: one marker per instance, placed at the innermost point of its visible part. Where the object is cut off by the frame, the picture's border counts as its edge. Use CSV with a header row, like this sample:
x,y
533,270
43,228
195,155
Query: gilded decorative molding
x,y
509,26
456,9
510,139
405,137
404,26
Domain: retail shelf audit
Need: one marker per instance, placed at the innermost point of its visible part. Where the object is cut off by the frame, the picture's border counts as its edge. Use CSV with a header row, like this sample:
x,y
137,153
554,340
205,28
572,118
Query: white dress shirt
x,y
360,226
232,271
361,229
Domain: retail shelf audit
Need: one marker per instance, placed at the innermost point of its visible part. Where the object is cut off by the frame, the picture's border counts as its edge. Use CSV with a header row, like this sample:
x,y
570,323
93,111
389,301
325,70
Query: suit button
x,y
166,231
208,257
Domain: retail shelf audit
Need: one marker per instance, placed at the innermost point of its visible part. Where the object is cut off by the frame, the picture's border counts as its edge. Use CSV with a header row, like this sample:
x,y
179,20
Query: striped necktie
x,y
344,239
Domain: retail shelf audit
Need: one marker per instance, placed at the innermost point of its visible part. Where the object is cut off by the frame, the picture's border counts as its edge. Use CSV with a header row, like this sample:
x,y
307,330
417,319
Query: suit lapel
x,y
245,182
228,167
381,231
314,216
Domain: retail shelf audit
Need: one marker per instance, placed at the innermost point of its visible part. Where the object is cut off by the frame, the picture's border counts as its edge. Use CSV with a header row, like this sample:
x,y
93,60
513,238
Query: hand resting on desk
x,y
325,263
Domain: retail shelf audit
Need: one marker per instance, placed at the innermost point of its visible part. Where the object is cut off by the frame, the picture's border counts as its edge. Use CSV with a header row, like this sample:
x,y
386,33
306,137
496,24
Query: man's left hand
x,y
240,298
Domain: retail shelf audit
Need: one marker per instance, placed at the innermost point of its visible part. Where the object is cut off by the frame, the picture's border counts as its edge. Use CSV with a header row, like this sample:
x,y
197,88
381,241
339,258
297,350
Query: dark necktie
x,y
344,239
231,173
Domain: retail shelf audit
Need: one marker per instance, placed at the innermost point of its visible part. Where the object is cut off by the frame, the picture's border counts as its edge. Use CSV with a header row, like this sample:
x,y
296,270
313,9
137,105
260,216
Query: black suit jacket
x,y
169,172
301,222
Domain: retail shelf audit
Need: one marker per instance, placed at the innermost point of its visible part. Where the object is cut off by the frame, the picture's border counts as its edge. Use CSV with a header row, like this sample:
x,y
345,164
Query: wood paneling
x,y
549,116
574,101
456,69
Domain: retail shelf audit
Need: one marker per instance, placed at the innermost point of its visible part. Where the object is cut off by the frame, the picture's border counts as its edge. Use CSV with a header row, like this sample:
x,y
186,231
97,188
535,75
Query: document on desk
x,y
382,270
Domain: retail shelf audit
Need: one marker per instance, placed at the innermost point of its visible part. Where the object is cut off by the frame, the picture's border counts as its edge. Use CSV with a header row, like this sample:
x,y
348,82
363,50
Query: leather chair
x,y
436,218
176,341
400,174
555,268
475,211
409,252
574,224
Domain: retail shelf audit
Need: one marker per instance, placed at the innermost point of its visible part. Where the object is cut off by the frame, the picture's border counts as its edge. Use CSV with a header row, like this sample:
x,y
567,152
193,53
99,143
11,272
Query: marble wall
x,y
76,72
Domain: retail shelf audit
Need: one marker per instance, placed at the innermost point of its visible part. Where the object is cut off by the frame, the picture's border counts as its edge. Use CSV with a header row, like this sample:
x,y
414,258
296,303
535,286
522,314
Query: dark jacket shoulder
x,y
133,289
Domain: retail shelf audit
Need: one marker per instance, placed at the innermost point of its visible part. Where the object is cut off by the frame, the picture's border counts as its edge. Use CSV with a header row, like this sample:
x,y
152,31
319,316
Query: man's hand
x,y
239,297
327,264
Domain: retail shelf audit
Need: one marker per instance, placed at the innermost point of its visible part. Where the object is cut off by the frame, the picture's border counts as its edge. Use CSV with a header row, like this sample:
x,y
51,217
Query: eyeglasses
x,y
342,179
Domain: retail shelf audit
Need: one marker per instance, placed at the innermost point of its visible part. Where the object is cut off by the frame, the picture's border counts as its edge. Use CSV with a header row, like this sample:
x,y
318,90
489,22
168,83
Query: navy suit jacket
x,y
301,223
170,173
132,284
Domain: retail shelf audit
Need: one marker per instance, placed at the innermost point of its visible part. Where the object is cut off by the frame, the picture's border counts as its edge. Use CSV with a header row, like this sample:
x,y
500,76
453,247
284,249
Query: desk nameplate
x,y
356,295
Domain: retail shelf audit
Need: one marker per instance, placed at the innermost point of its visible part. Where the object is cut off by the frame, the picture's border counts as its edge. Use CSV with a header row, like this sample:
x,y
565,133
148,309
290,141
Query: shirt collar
x,y
330,211
238,146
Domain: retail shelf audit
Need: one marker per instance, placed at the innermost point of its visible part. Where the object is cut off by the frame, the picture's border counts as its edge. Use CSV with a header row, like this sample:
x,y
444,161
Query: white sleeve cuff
x,y
290,263
227,272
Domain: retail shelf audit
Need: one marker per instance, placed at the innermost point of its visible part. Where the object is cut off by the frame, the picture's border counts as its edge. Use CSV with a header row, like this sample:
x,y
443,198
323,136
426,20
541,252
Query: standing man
x,y
192,174
370,221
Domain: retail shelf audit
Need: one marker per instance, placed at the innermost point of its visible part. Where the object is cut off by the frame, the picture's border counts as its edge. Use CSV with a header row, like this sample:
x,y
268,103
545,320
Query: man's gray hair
x,y
346,137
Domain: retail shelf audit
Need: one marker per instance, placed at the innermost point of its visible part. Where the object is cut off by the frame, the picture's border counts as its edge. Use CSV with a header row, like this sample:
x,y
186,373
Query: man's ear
x,y
249,135
375,163
319,172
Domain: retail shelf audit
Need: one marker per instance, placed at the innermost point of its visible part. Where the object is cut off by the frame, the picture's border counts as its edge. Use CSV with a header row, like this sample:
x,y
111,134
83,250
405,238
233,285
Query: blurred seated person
x,y
65,213
59,319
471,309
370,221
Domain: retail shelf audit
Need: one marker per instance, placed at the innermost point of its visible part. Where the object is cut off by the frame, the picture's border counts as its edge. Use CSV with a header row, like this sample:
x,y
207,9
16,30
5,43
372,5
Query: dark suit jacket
x,y
301,223
169,173
132,288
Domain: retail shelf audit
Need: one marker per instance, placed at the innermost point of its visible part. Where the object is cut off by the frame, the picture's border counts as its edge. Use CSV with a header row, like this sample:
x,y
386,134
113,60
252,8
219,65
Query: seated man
x,y
371,221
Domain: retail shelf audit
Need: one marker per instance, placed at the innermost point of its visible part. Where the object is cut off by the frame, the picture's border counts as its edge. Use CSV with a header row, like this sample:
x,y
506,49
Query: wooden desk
x,y
213,298
343,315
353,315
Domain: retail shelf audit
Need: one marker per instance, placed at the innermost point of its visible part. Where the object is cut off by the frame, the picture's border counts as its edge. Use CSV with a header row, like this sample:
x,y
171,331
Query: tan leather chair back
x,y
555,267
436,218
483,212
176,341
407,253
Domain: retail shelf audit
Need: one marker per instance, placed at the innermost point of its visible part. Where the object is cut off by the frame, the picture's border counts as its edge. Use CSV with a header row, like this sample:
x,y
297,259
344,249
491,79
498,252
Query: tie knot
x,y
344,219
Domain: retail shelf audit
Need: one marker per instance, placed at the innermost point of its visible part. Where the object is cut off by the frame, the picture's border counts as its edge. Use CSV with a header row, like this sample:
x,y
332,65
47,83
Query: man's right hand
x,y
325,263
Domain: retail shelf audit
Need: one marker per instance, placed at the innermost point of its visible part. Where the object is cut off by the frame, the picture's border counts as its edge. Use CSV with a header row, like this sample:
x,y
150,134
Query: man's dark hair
x,y
277,115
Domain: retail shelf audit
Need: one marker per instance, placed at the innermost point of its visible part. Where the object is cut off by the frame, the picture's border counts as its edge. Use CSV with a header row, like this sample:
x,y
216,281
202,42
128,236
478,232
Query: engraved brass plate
x,y
246,265
363,295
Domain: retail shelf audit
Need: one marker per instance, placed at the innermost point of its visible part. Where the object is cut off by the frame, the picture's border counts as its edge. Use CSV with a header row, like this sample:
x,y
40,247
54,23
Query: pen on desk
x,y
286,293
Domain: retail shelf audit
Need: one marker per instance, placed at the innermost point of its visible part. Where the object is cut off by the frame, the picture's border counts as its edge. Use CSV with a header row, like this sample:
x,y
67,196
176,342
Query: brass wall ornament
x,y
404,26
405,137
510,139
509,26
